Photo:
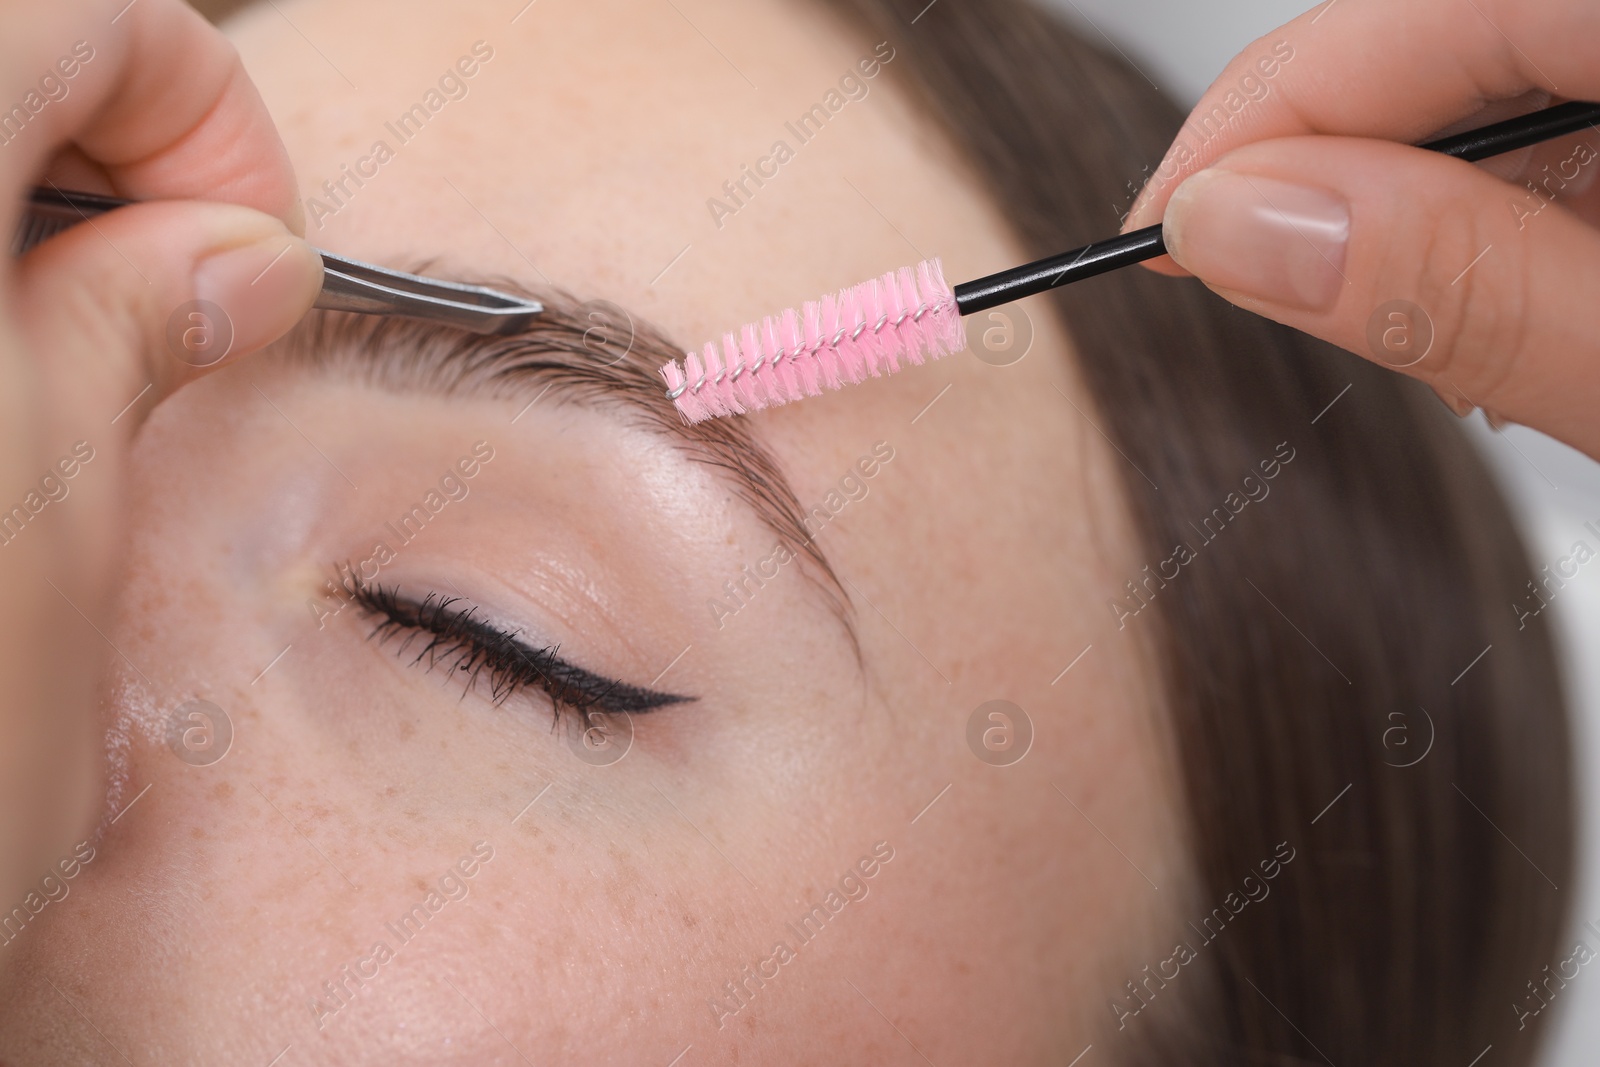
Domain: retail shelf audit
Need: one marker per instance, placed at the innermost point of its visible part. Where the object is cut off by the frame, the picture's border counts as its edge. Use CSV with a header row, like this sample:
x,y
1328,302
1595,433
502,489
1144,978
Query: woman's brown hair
x,y
1423,899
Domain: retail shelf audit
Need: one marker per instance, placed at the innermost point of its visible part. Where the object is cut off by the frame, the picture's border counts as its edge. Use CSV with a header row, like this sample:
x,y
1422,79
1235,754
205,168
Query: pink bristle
x,y
692,372
910,330
841,357
729,391
810,338
863,306
901,308
808,373
719,361
785,386
882,324
906,285
805,363
837,337
743,387
923,331
872,329
712,392
778,326
672,374
719,392
858,338
945,318
750,352
766,349
941,328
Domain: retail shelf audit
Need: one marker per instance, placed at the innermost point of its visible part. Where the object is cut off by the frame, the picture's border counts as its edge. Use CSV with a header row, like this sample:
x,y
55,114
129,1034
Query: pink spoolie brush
x,y
911,315
870,330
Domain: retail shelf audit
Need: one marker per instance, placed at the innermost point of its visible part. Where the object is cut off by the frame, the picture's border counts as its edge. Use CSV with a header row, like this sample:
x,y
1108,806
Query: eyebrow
x,y
594,354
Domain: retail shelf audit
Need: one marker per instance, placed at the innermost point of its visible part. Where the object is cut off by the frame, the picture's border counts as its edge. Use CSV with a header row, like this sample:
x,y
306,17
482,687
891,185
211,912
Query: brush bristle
x,y
870,330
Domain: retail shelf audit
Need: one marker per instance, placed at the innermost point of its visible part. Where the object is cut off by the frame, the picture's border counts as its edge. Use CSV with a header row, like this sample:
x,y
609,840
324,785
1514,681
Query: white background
x,y
1182,45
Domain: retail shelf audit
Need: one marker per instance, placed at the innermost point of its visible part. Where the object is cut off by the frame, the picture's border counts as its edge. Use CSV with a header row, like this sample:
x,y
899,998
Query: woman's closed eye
x,y
452,637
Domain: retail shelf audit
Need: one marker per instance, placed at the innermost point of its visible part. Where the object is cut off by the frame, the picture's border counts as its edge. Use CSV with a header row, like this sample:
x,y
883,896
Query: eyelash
x,y
461,642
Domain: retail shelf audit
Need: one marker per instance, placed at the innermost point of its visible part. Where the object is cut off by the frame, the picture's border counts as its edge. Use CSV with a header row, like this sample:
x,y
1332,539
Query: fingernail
x,y
1459,405
1269,239
261,289
1496,421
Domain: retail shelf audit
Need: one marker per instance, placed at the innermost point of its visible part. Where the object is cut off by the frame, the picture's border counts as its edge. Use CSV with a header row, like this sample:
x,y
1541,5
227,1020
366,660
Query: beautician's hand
x,y
142,100
1306,210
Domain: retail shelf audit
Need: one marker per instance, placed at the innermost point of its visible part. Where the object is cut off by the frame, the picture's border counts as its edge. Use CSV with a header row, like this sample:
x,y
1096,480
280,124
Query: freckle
x,y
408,730
689,921
197,832
420,883
222,791
392,790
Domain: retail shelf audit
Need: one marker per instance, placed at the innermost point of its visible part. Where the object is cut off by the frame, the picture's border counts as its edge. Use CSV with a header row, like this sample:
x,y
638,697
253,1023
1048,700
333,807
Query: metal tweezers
x,y
347,284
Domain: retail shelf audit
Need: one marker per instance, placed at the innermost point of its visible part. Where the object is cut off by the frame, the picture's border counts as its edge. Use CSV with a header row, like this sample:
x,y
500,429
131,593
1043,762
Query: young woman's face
x,y
819,855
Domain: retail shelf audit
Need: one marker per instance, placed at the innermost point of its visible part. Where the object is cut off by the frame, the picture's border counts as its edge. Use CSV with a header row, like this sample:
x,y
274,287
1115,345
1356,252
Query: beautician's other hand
x,y
146,101
1308,207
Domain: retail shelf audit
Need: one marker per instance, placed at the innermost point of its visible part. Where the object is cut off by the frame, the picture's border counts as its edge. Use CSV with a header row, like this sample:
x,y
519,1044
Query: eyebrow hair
x,y
594,354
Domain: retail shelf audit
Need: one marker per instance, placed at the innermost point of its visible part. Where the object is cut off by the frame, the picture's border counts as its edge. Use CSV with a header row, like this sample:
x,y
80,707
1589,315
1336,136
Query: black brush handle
x,y
1140,245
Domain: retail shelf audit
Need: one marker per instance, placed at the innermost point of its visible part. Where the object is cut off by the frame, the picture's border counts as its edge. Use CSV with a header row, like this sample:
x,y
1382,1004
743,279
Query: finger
x,y
1373,68
1542,176
86,335
150,92
71,169
1326,234
137,301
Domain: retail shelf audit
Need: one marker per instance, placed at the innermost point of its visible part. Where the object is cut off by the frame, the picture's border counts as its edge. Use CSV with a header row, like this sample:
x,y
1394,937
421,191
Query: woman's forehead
x,y
703,168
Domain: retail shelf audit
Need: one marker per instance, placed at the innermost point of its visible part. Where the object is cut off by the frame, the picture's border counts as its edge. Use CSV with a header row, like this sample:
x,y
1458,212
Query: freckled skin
x,y
620,899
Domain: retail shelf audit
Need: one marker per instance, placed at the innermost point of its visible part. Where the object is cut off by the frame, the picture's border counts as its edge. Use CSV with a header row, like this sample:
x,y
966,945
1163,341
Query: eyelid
x,y
555,356
465,642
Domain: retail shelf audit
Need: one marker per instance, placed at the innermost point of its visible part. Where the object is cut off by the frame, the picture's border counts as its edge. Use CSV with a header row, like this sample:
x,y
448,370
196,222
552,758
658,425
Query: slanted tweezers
x,y
347,284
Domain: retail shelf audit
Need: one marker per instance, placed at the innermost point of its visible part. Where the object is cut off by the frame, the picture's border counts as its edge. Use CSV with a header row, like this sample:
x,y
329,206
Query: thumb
x,y
155,294
1483,289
